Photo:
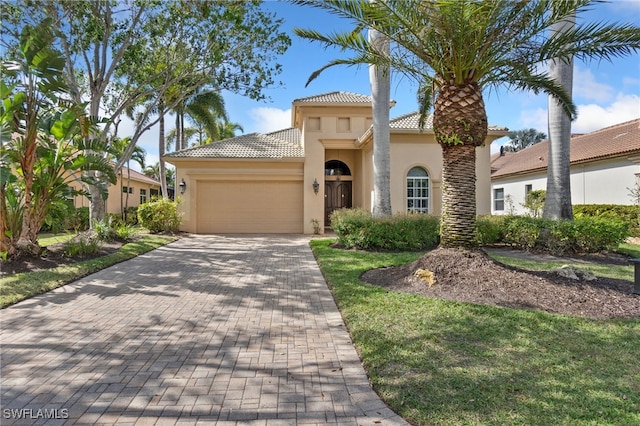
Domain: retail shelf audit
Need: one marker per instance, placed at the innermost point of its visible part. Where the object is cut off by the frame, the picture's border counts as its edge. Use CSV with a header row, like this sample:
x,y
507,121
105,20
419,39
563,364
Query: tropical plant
x,y
521,139
40,136
110,46
457,49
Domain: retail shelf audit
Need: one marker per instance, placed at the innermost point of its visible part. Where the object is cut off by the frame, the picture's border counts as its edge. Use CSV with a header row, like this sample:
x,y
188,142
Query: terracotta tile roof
x,y
280,144
336,98
621,139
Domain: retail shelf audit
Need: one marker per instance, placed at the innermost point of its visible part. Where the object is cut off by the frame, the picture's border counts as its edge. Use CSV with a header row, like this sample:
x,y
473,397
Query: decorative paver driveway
x,y
206,330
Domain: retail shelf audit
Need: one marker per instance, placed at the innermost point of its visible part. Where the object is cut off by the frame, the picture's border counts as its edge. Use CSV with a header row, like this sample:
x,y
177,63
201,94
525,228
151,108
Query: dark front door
x,y
337,195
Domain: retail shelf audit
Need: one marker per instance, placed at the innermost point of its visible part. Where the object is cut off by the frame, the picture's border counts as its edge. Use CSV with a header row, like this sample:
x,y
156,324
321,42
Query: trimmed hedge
x,y
159,216
581,235
629,214
356,228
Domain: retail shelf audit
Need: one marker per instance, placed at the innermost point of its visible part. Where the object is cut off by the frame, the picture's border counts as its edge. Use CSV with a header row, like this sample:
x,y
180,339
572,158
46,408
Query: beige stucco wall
x,y
114,202
324,144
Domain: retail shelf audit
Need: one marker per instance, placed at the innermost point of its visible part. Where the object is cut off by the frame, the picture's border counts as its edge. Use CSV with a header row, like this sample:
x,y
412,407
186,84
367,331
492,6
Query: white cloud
x,y
267,119
586,87
534,119
592,117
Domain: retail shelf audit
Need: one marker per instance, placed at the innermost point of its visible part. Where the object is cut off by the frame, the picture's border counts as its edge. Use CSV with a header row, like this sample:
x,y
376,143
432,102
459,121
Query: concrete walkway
x,y
206,330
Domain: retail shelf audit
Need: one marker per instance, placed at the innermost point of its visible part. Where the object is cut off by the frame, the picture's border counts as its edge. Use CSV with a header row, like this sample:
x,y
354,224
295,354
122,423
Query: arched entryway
x,y
337,188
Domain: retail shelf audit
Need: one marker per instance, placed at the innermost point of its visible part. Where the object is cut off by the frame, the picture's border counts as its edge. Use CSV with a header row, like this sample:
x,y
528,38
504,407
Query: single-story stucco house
x,y
605,165
285,181
139,188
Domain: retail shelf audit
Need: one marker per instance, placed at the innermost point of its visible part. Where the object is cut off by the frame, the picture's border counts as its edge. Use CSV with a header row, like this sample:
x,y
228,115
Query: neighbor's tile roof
x,y
139,177
280,144
614,141
336,98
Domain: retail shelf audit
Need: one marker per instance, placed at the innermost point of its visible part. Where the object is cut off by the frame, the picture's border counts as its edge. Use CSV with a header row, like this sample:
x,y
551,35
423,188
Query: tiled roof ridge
x,y
334,93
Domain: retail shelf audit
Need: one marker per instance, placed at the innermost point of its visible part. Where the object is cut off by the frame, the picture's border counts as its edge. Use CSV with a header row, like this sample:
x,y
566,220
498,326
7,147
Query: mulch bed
x,y
472,276
52,257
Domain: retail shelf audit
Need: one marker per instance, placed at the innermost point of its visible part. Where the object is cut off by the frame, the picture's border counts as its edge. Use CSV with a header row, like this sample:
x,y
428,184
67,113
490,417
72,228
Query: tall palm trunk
x,y
380,82
558,198
460,125
161,142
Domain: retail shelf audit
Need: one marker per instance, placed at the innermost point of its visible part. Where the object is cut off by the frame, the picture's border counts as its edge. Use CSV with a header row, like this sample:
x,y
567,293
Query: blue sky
x,y
605,93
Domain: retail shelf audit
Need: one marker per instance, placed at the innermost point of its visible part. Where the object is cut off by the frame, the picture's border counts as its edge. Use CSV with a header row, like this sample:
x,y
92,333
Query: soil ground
x,y
472,276
52,257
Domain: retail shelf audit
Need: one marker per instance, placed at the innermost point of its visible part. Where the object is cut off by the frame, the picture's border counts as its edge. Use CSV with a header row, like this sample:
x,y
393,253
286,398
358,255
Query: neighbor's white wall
x,y
601,182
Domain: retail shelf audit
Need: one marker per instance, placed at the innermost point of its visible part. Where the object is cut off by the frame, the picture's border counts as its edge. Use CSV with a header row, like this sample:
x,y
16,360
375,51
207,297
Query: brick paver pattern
x,y
222,329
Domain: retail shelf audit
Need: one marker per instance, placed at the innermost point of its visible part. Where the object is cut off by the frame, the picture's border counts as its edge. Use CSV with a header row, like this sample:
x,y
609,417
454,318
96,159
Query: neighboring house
x,y
139,187
284,181
605,166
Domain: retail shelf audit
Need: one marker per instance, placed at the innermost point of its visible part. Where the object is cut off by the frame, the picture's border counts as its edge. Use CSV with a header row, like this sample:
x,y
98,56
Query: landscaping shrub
x,y
84,244
629,214
357,229
581,235
522,231
104,229
79,219
159,216
490,229
57,219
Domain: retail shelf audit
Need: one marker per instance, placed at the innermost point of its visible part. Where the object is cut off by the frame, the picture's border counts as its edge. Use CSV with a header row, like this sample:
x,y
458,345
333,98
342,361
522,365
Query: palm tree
x,y
380,82
558,197
524,138
457,49
205,109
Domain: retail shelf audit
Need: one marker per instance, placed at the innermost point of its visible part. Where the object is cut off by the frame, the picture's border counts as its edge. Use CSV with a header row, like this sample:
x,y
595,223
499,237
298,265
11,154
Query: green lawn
x,y
15,288
438,362
49,239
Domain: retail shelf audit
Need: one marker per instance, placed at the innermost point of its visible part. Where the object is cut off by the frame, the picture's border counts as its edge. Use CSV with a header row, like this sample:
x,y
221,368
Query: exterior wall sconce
x,y
316,186
183,186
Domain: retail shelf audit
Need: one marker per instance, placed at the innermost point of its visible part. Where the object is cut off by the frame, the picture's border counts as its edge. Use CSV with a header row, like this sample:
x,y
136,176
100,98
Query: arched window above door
x,y
418,190
336,168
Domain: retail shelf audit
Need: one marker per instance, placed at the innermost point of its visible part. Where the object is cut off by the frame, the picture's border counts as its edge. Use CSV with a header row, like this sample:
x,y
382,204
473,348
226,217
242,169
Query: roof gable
x,y
614,141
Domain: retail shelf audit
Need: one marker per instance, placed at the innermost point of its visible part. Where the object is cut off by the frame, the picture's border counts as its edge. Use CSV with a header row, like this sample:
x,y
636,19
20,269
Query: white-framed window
x,y
527,189
143,196
498,199
418,190
128,189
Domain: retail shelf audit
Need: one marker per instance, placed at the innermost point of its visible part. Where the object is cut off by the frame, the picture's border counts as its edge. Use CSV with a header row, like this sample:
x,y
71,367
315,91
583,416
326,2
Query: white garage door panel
x,y
249,207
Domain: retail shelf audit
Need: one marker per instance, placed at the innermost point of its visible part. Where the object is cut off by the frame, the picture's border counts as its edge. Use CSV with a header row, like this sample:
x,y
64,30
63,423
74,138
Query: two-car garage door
x,y
249,207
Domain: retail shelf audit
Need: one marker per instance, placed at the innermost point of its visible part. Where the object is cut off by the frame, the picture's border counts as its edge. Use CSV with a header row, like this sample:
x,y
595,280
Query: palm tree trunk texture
x,y
161,142
558,197
380,82
460,125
